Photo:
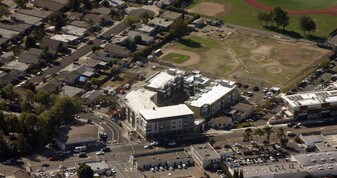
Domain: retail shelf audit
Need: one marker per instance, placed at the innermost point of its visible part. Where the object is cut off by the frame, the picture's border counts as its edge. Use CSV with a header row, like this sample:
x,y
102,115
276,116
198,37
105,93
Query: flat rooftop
x,y
316,158
205,150
166,112
140,99
311,98
210,94
16,65
167,157
26,18
161,79
78,133
64,38
8,33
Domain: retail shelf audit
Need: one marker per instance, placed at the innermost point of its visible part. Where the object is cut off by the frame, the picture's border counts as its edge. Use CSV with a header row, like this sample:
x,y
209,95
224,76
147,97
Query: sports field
x,y
243,13
300,4
256,60
175,58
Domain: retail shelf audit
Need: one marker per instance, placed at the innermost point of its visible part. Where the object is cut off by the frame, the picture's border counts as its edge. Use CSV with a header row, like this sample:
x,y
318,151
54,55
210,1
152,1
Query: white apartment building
x,y
215,97
205,156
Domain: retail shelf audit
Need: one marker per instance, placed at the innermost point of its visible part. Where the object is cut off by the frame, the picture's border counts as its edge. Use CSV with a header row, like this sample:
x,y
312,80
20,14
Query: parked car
x,y
100,153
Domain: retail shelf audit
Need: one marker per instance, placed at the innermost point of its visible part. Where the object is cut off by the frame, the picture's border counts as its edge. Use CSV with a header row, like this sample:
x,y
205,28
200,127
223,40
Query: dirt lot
x,y
255,60
211,9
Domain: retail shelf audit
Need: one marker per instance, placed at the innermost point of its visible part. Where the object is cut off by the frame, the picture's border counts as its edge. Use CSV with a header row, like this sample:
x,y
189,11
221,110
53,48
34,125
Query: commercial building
x,y
214,98
311,105
274,170
318,164
77,135
220,122
322,141
241,111
205,156
164,158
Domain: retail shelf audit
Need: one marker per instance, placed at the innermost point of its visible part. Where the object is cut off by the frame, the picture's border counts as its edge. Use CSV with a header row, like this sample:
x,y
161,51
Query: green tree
x,y
84,171
43,98
325,63
87,4
247,136
138,39
74,5
280,17
268,130
258,133
281,133
3,125
307,24
9,93
130,20
57,20
4,11
12,123
30,42
105,3
241,174
179,28
211,141
114,71
65,108
26,106
21,3
22,144
264,17
129,44
95,48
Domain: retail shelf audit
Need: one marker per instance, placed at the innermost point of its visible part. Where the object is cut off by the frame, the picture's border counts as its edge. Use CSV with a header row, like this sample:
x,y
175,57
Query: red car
x,y
90,42
53,158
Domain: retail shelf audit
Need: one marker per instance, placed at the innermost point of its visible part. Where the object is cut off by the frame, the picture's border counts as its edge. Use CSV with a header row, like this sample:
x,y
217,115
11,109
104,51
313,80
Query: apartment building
x,y
212,99
311,105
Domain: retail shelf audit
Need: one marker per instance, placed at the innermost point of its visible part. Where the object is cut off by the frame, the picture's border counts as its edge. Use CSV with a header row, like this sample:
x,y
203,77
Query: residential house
x,y
161,23
92,96
73,30
115,3
53,45
146,39
24,18
67,39
170,15
16,65
49,5
148,29
50,86
7,78
101,56
31,57
117,51
93,63
163,3
70,91
69,77
220,122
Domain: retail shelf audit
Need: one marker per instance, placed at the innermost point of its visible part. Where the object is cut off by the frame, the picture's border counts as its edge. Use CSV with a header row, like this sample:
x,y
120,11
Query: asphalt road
x,y
116,29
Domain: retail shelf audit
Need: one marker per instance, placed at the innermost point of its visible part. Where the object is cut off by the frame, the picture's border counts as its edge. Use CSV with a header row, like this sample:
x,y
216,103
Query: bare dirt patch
x,y
194,57
211,9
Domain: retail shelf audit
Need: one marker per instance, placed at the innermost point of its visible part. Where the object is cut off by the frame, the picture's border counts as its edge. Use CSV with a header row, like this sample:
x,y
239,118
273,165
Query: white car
x,y
272,159
100,153
154,143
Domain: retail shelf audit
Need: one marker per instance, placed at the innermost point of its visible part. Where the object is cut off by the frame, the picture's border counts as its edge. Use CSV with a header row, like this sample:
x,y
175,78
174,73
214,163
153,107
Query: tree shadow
x,y
292,34
315,38
189,43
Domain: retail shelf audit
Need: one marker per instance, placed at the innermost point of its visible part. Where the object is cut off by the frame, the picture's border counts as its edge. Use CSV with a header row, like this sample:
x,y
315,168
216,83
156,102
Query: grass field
x,y
300,4
175,58
240,13
265,61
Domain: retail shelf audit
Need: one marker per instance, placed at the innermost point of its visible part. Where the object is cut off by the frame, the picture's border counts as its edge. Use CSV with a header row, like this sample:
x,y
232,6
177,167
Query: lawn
x,y
175,58
300,4
240,13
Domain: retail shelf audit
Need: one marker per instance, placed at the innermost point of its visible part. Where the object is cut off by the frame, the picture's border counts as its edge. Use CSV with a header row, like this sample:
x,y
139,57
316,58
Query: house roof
x,y
6,78
80,23
243,107
18,27
26,18
117,50
32,56
8,34
101,55
169,15
50,86
15,65
70,91
35,13
50,5
91,62
21,174
161,22
145,37
73,30
95,18
68,77
51,43
221,120
101,10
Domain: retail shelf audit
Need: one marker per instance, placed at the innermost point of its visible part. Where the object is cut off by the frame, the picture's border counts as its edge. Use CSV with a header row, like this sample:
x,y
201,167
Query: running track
x,y
330,10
